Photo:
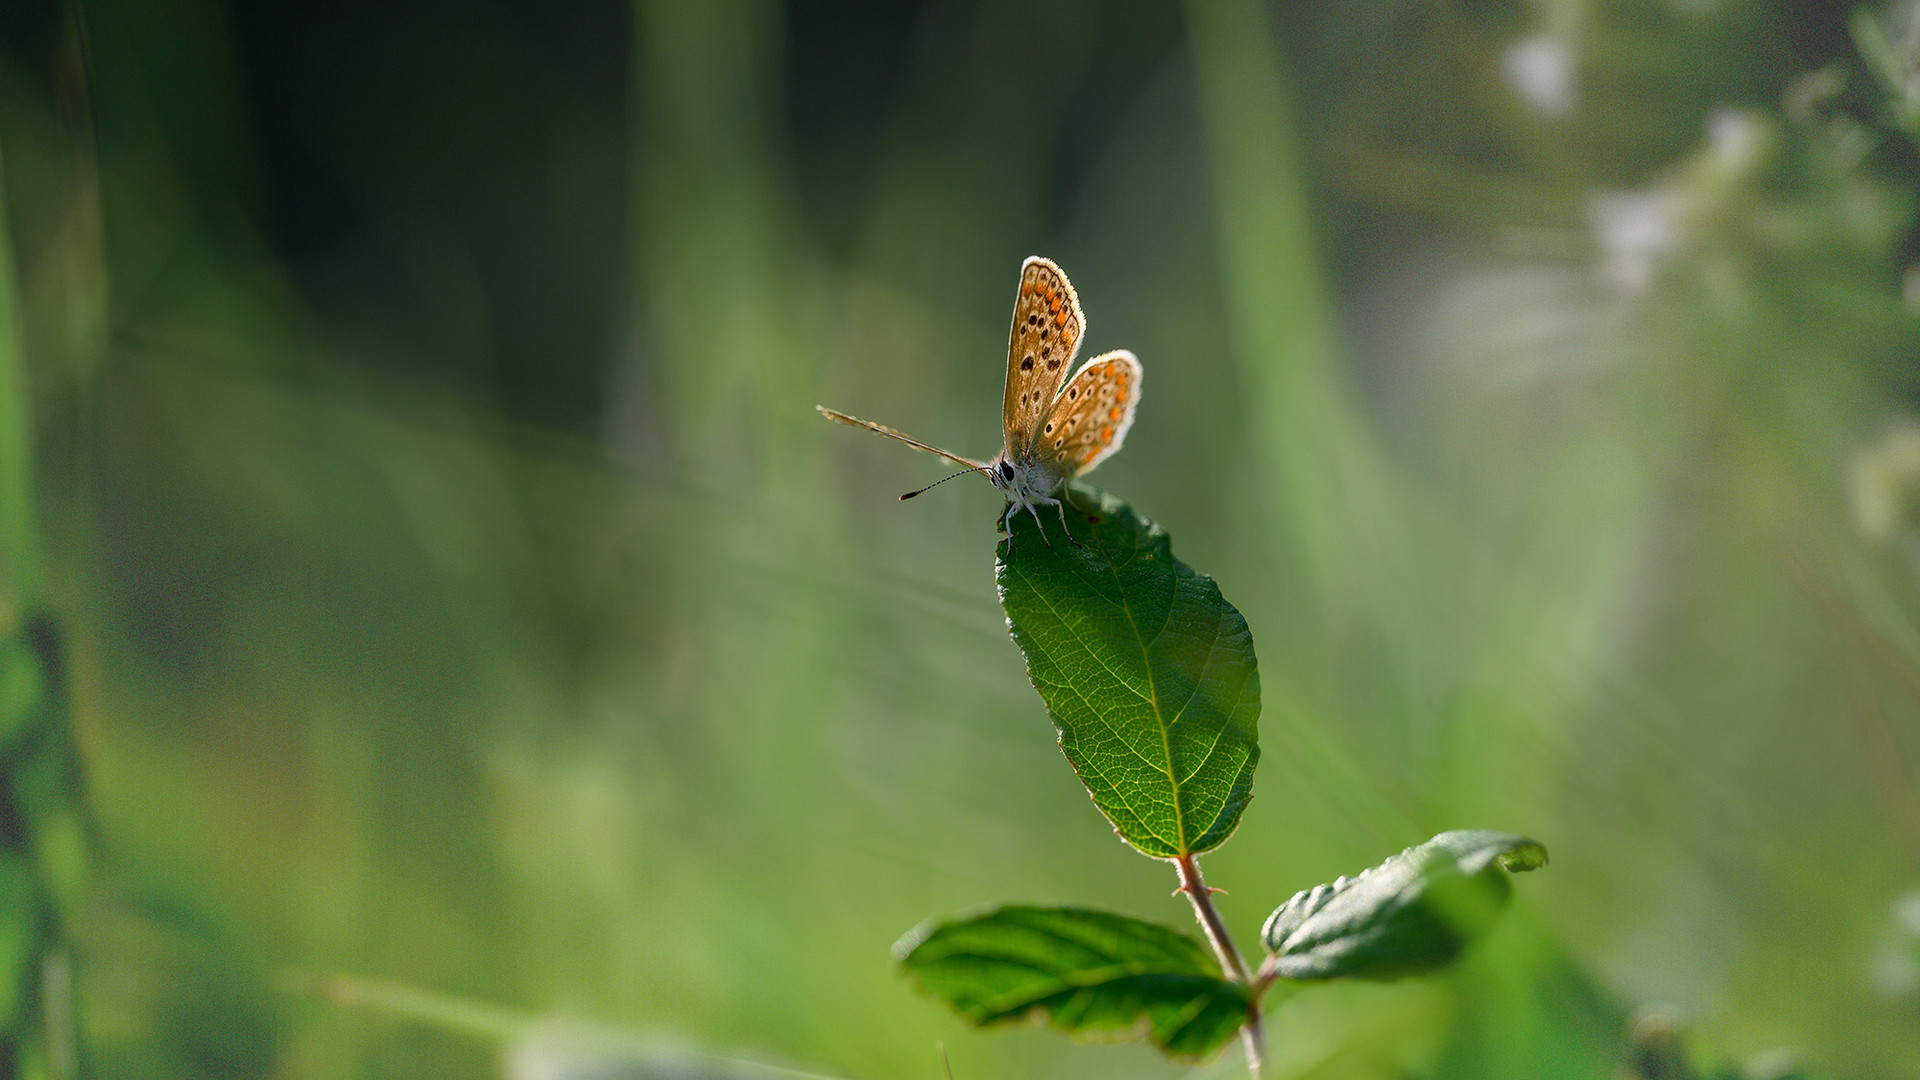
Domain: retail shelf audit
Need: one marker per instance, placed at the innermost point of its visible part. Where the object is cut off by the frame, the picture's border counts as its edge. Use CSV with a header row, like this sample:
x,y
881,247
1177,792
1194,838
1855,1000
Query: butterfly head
x,y
1026,480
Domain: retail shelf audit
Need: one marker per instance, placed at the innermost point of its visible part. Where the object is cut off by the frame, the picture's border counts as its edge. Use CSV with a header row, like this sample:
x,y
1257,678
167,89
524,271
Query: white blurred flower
x,y
1735,139
1893,972
1883,483
1635,230
1540,69
1906,913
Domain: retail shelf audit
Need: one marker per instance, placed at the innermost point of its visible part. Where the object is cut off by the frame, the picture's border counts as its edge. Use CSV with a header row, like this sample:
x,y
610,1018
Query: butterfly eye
x,y
1006,470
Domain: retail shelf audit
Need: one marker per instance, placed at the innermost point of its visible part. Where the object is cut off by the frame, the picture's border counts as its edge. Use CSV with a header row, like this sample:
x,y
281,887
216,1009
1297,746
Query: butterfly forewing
x,y
1047,325
1090,418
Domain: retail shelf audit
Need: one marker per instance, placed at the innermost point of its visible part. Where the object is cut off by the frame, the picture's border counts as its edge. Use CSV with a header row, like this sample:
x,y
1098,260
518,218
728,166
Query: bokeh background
x,y
481,660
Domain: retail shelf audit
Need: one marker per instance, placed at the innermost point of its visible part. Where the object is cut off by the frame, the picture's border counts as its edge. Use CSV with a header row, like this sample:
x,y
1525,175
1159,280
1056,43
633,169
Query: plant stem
x,y
18,557
1201,897
1191,883
1264,977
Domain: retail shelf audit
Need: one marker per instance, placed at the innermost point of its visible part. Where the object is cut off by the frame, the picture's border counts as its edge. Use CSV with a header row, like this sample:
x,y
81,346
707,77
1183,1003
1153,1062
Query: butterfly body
x,y
1052,432
1027,485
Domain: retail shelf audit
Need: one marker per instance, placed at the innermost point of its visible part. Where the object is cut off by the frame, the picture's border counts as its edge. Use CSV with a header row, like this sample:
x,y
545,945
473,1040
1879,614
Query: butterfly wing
x,y
1090,418
882,429
1047,325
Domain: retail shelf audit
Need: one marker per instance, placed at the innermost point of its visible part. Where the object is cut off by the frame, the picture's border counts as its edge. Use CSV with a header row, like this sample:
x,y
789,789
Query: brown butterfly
x,y
1052,434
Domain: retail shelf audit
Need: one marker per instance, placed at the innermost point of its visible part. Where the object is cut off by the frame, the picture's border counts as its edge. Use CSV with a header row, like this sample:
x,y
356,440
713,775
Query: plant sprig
x,y
1150,678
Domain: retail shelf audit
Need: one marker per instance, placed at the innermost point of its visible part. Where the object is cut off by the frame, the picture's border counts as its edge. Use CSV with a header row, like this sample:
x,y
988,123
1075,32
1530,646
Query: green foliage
x,y
466,593
1150,677
1092,973
1411,914
1147,671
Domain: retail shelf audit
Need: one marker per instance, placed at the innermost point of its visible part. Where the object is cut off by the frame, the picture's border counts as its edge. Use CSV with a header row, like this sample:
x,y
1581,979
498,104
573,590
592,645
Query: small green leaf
x,y
1091,973
1147,672
1409,915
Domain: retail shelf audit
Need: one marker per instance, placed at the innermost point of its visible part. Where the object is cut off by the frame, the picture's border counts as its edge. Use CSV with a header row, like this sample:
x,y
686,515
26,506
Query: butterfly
x,y
1053,433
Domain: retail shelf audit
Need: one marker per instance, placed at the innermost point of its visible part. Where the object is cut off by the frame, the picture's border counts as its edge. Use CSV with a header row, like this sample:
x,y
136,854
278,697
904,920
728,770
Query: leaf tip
x,y
903,949
1531,855
1411,914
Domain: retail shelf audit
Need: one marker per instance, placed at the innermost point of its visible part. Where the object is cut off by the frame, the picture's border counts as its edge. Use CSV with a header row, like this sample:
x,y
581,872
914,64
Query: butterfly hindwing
x,y
1090,418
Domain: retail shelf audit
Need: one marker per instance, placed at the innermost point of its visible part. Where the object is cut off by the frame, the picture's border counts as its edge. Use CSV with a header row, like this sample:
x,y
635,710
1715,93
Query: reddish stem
x,y
1201,897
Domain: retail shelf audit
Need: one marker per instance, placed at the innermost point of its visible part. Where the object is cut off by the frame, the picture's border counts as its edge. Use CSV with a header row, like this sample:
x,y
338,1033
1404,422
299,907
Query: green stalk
x,y
1328,482
19,562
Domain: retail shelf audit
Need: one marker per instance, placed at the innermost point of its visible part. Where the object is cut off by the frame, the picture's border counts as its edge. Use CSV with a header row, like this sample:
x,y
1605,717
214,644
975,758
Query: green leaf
x,y
1091,973
1409,915
1147,672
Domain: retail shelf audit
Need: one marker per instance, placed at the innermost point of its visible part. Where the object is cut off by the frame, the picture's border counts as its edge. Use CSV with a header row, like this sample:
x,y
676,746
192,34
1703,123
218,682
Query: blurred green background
x,y
480,654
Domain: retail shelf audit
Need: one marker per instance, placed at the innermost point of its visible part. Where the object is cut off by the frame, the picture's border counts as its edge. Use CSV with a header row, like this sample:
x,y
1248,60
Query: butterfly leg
x,y
1033,507
1057,504
1062,505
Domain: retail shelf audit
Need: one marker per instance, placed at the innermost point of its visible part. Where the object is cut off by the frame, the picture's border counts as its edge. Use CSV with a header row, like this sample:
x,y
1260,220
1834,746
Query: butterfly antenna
x,y
944,1065
937,483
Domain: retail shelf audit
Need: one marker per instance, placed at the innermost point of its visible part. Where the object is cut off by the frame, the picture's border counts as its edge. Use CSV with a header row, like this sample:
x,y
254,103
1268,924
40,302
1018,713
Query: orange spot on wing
x,y
1113,413
1106,435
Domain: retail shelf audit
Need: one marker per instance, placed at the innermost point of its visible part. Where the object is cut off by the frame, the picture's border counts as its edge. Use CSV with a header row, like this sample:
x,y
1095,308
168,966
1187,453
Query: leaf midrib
x,y
1015,1002
1093,710
1153,692
1098,716
1109,968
